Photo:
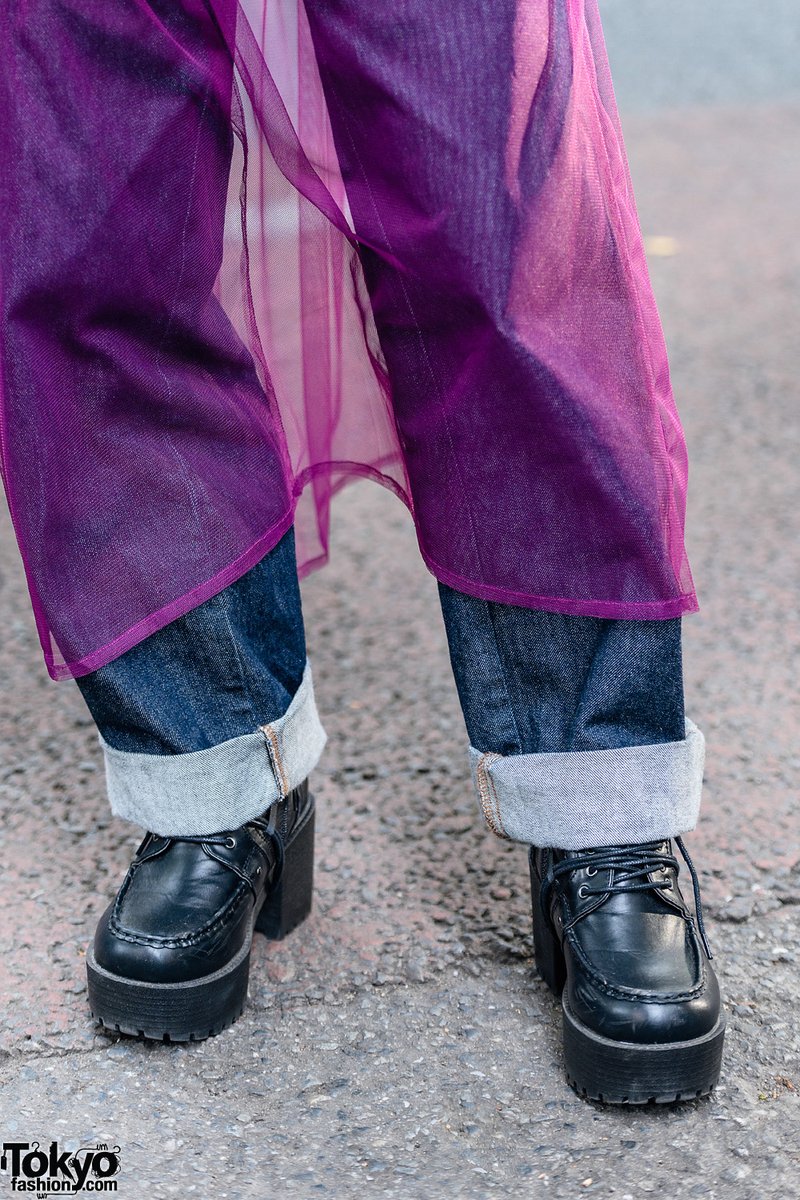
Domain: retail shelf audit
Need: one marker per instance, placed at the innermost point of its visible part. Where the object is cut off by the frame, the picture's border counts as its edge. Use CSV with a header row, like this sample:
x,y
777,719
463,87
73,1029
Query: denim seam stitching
x,y
512,714
493,790
487,792
224,598
274,756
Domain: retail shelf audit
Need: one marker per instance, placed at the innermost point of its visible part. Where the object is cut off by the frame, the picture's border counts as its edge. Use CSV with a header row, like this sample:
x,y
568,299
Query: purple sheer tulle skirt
x,y
250,251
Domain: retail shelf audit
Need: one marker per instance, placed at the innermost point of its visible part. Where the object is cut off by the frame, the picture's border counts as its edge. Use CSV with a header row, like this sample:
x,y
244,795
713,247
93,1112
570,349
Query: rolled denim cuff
x,y
587,798
220,788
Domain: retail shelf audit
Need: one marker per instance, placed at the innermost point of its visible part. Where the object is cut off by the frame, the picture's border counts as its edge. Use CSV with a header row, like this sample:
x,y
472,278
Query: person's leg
x,y
483,165
543,466
146,466
142,453
580,747
210,731
539,689
212,719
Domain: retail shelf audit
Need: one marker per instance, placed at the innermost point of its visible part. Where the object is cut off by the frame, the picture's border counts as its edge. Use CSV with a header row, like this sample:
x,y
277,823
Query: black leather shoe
x,y
171,955
614,937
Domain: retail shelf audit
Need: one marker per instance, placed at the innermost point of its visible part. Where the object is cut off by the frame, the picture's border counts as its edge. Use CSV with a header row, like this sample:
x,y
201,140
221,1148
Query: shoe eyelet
x,y
231,843
583,891
591,870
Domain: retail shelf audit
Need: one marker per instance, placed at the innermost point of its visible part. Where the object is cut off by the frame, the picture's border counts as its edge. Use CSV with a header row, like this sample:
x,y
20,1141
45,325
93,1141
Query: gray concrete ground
x,y
399,1044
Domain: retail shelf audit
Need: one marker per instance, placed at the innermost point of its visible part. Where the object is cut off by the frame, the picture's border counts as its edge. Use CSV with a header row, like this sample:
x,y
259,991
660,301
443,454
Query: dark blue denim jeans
x,y
538,690
219,672
528,681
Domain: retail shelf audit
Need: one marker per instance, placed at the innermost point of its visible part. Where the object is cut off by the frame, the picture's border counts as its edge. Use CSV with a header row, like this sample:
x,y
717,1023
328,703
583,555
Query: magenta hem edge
x,y
619,610
176,608
349,471
655,610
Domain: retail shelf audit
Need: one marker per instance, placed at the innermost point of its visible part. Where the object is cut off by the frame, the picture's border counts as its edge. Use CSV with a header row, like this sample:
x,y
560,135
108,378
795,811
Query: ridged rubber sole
x,y
201,1008
615,1072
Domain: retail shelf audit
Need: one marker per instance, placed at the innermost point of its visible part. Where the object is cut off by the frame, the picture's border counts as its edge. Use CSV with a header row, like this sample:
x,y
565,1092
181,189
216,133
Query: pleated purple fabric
x,y
250,251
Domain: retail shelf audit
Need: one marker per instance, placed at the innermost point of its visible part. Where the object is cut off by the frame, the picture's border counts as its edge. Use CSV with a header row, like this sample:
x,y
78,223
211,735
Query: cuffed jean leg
x,y
212,719
578,735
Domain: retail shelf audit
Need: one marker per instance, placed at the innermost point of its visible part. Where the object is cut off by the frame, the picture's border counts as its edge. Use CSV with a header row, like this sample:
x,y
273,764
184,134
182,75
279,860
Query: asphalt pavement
x,y
399,1043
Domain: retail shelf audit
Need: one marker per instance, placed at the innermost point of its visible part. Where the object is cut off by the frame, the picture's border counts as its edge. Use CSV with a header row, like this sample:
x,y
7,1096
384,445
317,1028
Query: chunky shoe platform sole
x,y
615,1072
200,1008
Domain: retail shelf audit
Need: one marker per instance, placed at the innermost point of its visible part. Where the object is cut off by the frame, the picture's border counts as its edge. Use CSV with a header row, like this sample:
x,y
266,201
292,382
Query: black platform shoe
x,y
171,955
614,937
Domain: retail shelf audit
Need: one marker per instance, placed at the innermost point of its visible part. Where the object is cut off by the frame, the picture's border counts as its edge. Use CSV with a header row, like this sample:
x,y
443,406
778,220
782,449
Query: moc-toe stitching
x,y
220,918
618,992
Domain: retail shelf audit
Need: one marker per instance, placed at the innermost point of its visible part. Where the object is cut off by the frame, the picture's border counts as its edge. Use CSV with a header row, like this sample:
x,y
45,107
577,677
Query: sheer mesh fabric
x,y
250,251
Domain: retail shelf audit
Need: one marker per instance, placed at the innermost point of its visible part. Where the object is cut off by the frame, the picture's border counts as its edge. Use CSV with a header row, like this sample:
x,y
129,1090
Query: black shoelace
x,y
631,866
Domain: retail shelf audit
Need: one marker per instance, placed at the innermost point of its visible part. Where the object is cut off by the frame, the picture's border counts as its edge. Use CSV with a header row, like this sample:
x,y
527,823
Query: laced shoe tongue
x,y
629,871
627,863
661,847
